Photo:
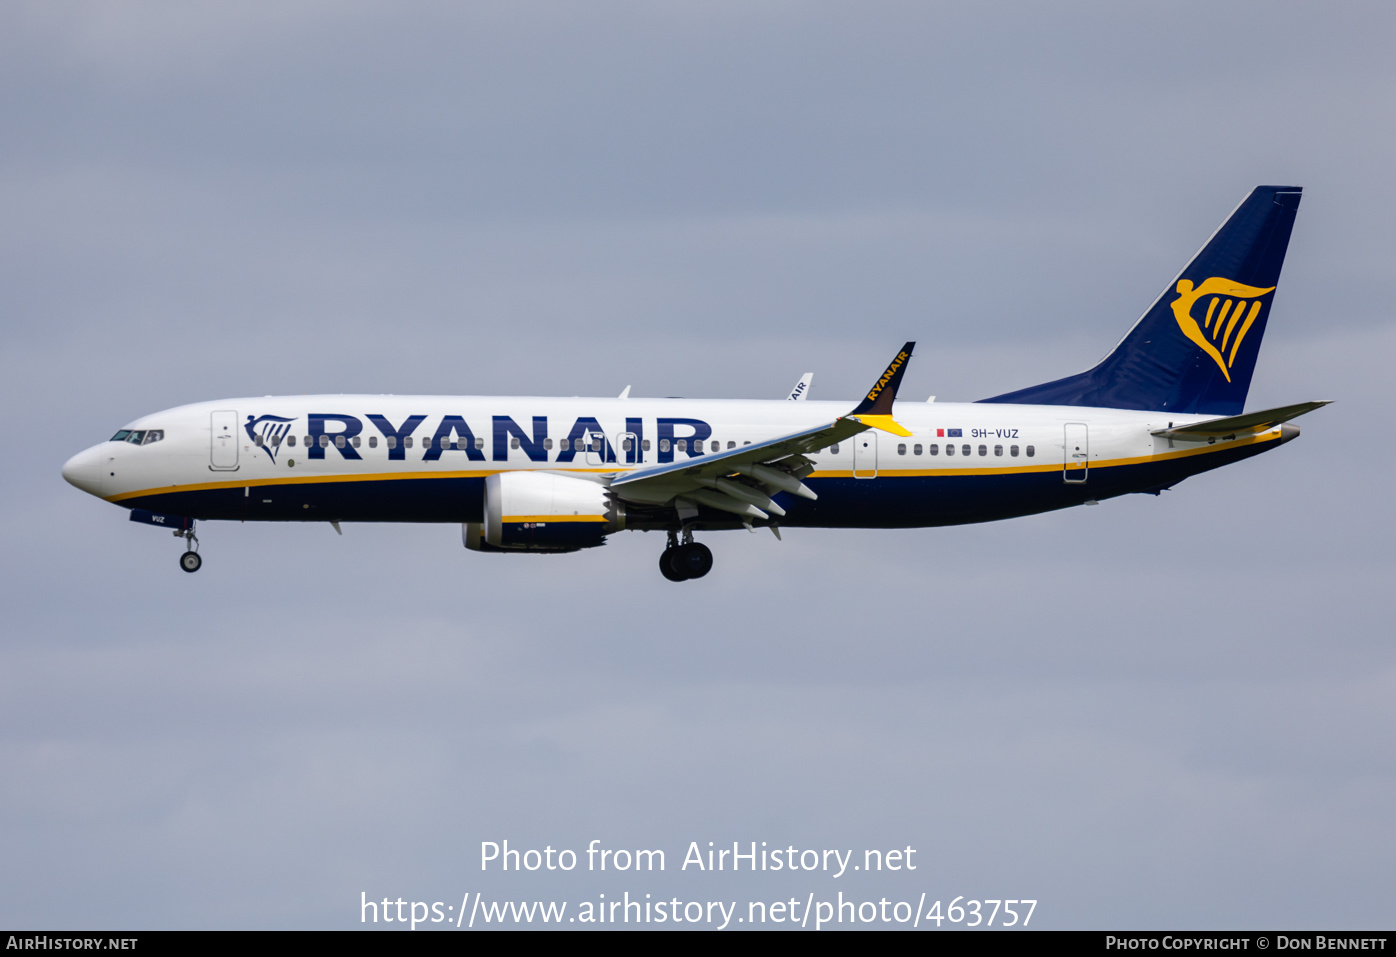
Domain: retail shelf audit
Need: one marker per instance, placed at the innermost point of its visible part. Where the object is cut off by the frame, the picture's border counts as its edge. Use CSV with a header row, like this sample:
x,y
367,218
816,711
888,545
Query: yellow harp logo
x,y
1224,313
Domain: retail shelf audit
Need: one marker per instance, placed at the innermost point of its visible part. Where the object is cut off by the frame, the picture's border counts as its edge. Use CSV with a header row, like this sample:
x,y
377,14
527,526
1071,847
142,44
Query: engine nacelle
x,y
543,512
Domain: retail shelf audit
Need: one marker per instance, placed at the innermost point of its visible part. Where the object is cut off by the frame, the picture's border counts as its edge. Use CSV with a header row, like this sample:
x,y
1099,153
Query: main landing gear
x,y
680,562
190,560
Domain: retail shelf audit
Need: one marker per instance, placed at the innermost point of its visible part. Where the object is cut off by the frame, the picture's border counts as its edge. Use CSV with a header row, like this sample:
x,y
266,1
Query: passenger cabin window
x,y
663,445
1030,451
998,450
834,448
548,445
1013,451
257,441
479,443
731,445
291,441
681,445
916,449
339,441
983,450
934,448
950,449
514,442
644,445
373,441
391,442
901,448
965,449
356,441
407,442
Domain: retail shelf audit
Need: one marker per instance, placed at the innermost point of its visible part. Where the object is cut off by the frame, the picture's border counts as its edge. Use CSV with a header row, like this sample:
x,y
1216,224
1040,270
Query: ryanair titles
x,y
350,436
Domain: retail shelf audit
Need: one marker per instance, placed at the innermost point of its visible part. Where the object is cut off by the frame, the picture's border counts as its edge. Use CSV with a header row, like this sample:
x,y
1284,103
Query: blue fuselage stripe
x,y
889,501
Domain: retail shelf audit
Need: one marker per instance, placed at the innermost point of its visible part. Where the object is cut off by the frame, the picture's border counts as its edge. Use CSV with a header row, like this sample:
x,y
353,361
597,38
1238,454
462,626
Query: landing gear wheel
x,y
190,561
668,567
695,558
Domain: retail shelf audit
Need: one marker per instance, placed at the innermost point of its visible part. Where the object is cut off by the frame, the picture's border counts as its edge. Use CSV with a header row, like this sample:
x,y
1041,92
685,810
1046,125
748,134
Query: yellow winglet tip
x,y
883,422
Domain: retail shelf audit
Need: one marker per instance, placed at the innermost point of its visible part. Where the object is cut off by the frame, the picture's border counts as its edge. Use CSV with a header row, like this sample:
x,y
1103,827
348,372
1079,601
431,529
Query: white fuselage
x,y
333,457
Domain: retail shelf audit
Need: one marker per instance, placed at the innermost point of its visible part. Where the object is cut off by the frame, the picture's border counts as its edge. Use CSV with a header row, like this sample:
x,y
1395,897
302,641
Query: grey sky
x,y
1155,713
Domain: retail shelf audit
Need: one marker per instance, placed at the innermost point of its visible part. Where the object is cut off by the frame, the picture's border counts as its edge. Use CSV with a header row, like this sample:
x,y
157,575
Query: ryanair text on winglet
x,y
887,376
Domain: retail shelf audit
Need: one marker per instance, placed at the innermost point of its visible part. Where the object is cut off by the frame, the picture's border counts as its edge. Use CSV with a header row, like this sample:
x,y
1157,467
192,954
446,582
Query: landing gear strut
x,y
682,561
190,560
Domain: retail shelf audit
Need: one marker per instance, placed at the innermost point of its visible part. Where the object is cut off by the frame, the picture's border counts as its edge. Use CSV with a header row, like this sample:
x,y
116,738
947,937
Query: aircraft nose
x,y
84,470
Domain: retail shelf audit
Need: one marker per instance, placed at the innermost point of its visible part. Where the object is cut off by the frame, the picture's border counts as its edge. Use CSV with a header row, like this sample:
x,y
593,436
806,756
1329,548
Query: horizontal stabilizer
x,y
1252,423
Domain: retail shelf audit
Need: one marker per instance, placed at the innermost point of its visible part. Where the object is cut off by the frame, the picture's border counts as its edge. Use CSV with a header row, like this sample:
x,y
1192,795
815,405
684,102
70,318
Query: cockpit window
x,y
139,436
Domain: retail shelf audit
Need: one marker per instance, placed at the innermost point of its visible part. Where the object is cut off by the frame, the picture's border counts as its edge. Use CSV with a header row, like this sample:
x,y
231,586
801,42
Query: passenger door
x,y
223,440
1076,452
865,455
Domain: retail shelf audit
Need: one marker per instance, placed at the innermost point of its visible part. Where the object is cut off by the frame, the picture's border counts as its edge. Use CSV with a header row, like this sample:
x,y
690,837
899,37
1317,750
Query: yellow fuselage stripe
x,y
544,519
1272,436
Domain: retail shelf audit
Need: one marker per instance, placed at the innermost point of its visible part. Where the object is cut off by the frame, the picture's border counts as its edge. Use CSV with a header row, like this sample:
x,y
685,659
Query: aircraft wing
x,y
742,480
662,483
1251,423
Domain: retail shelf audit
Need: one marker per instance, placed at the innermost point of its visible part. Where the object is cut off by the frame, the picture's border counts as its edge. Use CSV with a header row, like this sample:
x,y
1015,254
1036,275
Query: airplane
x,y
552,475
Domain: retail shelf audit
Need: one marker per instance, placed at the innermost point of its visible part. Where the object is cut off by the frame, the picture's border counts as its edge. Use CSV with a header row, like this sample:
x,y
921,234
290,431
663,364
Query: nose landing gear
x,y
682,561
190,560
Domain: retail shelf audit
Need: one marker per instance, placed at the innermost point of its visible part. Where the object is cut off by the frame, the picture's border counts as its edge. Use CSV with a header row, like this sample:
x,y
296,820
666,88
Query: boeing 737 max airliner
x,y
528,474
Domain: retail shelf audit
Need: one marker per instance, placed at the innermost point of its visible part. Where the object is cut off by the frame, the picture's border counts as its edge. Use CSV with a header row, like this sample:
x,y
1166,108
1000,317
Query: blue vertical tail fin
x,y
1195,349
